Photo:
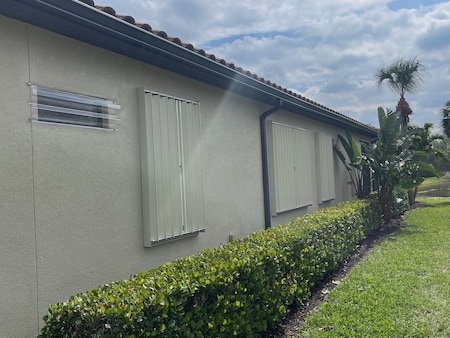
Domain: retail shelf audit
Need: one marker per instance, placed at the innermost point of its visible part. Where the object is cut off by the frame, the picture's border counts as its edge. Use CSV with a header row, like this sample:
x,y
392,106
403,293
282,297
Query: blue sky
x,y
326,50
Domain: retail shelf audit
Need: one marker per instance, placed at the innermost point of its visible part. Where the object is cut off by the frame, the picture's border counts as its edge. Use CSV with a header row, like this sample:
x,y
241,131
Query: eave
x,y
87,24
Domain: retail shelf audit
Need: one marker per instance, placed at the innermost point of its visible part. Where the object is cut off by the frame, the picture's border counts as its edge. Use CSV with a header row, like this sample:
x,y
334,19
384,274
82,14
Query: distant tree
x,y
423,147
424,143
444,165
446,119
402,76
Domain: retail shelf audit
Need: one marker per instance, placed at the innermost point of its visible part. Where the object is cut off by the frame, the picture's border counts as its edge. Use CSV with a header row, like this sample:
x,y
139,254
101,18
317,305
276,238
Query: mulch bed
x,y
292,323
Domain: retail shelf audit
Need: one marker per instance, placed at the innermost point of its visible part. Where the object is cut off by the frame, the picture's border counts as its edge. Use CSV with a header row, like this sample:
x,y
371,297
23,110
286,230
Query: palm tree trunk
x,y
404,110
412,193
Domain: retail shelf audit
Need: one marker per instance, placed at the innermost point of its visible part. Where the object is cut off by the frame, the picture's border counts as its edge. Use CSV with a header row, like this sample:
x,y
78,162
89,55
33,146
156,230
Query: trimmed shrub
x,y
242,288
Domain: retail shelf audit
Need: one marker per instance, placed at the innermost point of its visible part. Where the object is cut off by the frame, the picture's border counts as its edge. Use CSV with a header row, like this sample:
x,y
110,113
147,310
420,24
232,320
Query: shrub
x,y
241,288
400,203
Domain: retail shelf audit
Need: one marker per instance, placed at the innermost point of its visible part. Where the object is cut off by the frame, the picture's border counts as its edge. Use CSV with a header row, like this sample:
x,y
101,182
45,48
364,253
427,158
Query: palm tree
x,y
446,119
402,76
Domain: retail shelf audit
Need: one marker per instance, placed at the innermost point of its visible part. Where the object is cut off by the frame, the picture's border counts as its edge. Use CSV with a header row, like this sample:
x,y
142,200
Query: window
x,y
172,180
325,167
291,167
62,107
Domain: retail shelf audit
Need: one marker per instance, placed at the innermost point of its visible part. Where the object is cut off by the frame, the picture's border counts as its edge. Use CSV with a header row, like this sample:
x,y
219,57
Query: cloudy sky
x,y
326,50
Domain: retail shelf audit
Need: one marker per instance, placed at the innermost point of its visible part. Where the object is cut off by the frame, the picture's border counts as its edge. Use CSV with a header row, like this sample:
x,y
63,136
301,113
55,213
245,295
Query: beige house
x,y
122,149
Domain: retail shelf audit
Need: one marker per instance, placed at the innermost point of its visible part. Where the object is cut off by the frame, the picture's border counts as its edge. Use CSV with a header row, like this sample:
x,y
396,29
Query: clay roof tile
x,y
109,10
147,27
127,18
176,40
162,34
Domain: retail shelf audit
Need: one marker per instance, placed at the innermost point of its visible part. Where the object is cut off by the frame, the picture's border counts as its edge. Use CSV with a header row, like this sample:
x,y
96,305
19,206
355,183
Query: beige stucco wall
x,y
71,197
343,188
18,317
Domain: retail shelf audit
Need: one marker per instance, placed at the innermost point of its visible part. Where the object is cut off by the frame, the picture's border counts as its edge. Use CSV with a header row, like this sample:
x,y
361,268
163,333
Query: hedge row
x,y
242,288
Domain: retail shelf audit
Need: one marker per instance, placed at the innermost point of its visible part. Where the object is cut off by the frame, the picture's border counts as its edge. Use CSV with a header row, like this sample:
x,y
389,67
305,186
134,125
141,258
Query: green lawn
x,y
401,289
430,181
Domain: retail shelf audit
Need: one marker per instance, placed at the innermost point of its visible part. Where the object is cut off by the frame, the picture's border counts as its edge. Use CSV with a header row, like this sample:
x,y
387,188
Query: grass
x,y
402,289
430,181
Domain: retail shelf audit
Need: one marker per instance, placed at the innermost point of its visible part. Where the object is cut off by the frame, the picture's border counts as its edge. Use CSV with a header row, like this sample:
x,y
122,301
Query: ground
x,y
293,322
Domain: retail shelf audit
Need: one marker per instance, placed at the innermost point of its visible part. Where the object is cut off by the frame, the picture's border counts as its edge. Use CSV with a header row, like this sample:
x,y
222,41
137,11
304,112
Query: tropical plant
x,y
353,162
446,119
422,145
387,160
395,166
423,141
427,147
402,76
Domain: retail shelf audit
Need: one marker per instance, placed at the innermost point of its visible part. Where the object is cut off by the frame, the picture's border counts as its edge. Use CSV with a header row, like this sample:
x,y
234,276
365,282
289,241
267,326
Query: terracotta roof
x,y
176,40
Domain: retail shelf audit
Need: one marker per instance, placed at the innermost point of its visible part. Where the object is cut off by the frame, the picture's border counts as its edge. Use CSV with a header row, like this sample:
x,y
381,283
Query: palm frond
x,y
352,161
354,149
389,130
402,76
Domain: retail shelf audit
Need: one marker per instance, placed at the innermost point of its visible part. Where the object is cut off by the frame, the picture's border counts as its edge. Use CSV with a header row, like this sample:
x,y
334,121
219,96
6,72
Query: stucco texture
x,y
71,197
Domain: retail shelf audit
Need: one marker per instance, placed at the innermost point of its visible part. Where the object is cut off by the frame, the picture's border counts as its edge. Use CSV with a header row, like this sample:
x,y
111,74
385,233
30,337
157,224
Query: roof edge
x,y
102,27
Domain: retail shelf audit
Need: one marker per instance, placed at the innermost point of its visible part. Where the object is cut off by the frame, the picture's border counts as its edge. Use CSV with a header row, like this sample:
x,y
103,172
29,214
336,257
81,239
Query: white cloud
x,y
325,49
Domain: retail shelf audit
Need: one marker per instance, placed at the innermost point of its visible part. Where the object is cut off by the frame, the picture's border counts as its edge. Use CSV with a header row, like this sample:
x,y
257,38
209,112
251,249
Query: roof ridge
x,y
145,26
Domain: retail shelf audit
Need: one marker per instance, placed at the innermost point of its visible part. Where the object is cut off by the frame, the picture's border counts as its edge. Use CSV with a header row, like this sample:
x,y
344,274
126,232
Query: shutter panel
x,y
291,167
325,167
165,200
172,179
192,168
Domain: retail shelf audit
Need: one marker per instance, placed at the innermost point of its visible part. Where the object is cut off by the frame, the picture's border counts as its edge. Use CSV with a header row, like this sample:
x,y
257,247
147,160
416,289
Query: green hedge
x,y
242,288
